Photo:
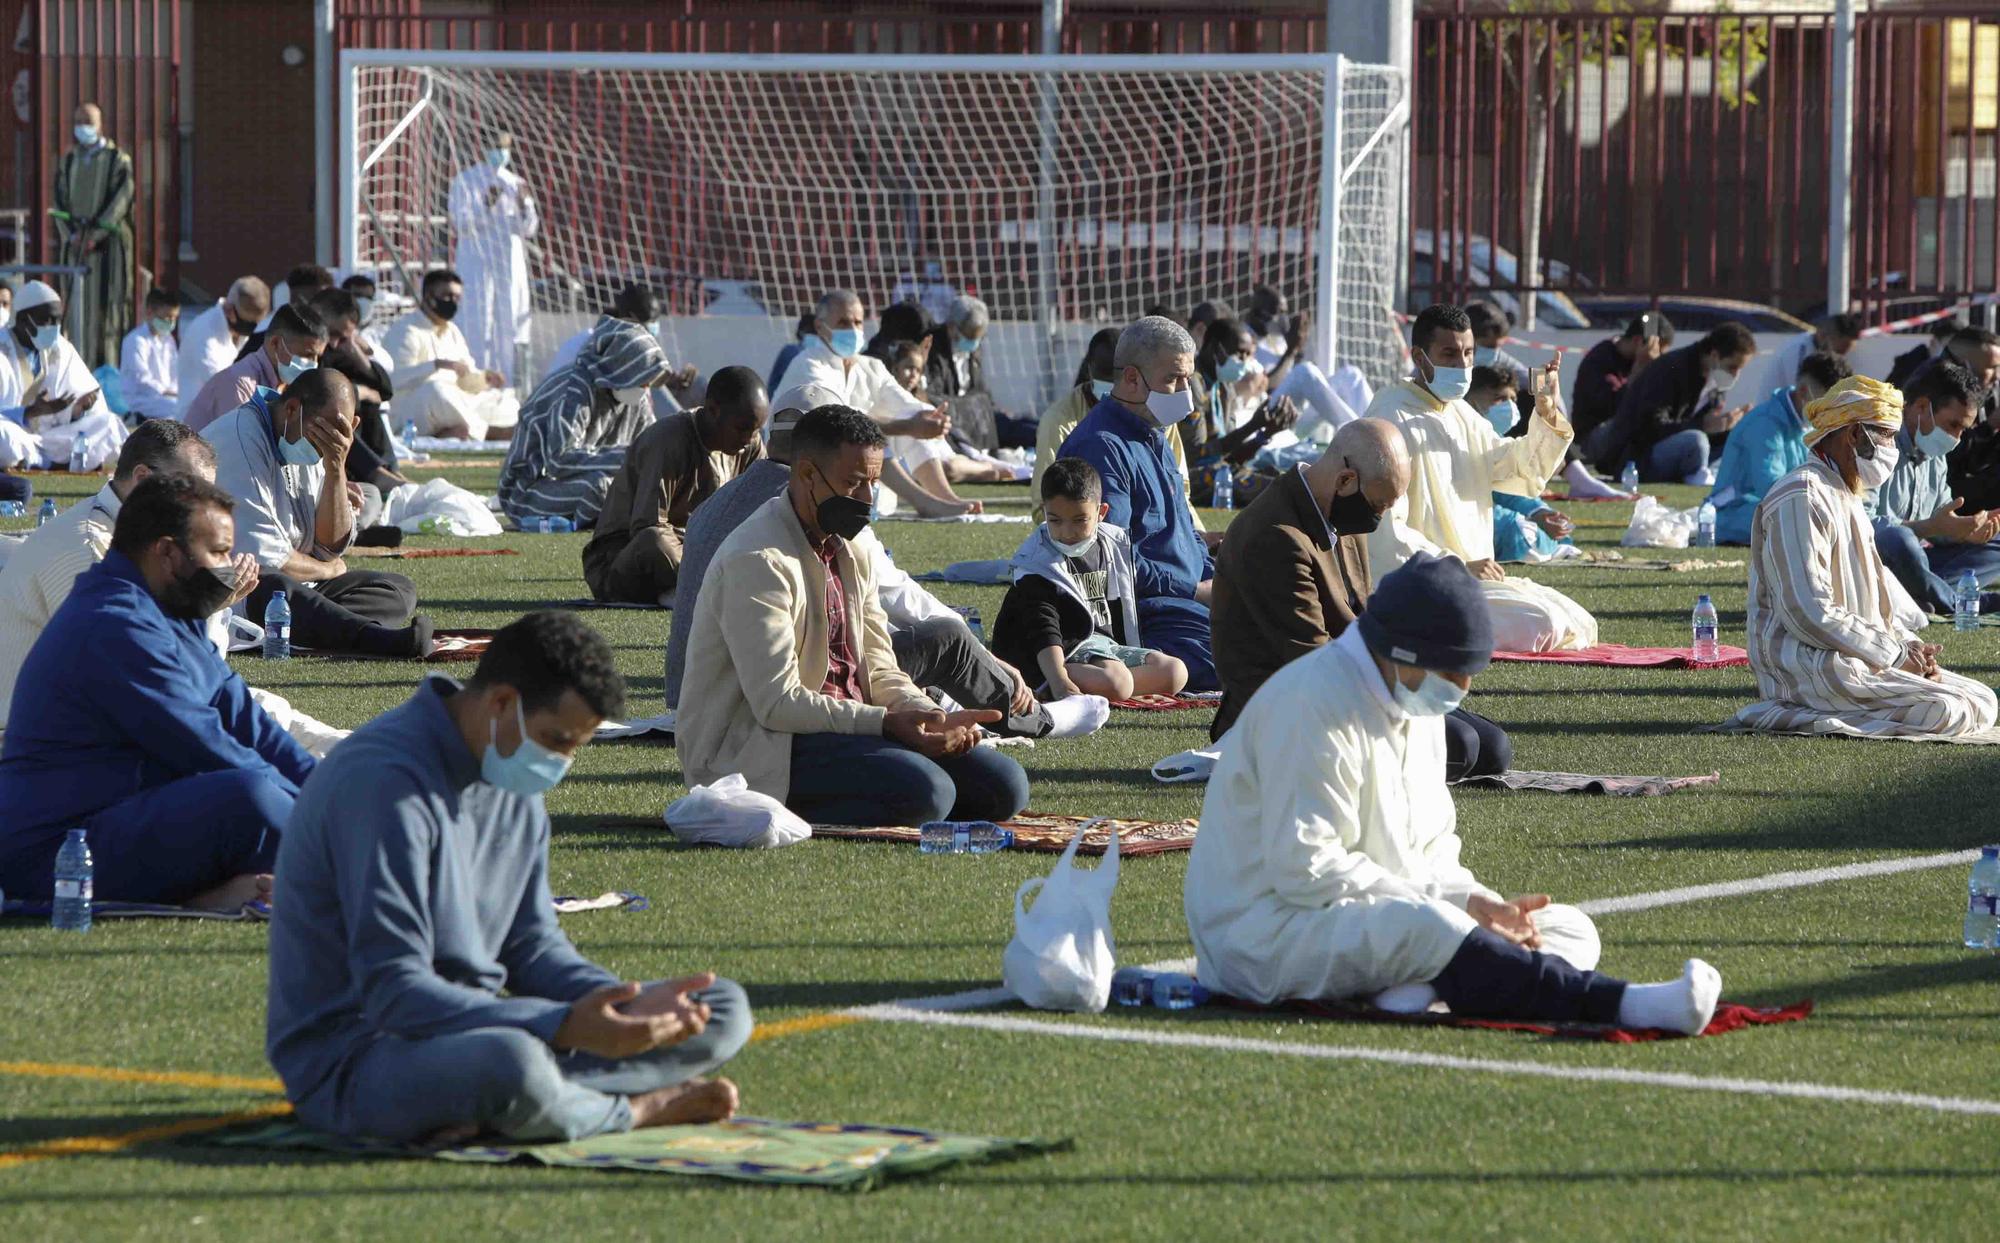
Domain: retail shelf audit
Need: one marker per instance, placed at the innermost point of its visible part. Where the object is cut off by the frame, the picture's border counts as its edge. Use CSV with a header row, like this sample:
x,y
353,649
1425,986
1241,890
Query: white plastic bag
x,y
450,509
1061,956
1655,526
729,813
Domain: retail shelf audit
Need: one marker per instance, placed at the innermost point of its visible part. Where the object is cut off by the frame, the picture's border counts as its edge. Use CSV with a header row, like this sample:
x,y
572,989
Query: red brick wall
x,y
253,140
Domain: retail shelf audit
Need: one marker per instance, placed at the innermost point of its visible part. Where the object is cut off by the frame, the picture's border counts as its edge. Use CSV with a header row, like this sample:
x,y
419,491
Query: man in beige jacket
x,y
791,679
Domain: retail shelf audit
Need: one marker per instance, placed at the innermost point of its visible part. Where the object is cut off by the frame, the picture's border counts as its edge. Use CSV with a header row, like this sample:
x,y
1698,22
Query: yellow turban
x,y
1857,399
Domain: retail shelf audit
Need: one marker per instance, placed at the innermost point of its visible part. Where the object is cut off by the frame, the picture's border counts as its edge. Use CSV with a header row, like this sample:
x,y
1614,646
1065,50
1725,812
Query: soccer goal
x,y
1070,193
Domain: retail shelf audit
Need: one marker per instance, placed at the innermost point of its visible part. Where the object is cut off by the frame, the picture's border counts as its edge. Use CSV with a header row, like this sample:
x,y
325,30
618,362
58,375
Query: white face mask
x,y
1074,550
45,336
1433,697
6,316
1721,379
629,396
1873,472
1168,409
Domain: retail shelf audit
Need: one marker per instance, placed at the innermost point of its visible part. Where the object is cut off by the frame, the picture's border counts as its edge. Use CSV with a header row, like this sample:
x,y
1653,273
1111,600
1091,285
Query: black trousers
x,y
942,653
344,614
1474,746
1492,978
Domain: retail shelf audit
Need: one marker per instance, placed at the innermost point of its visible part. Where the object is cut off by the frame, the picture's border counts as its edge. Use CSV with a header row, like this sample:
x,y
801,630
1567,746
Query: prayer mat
x,y
975,573
1051,834
1980,738
406,554
1586,783
966,519
585,602
1173,703
1730,1016
448,646
1618,655
637,727
1587,500
1611,559
618,900
835,1155
32,908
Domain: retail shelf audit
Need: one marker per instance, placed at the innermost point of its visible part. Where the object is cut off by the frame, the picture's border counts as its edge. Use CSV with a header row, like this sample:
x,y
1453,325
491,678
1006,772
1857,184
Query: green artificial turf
x,y
1171,1141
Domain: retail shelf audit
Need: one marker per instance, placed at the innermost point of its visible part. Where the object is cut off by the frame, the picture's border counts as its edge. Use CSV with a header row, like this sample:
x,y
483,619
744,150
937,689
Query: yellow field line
x,y
98,1145
801,1025
116,1074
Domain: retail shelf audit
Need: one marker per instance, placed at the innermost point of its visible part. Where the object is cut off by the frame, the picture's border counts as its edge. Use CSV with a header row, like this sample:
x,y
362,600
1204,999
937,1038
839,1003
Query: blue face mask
x,y
86,135
498,156
1501,415
532,769
45,336
364,307
162,326
962,345
300,451
1233,369
1450,383
1483,355
294,368
1433,697
1100,389
846,342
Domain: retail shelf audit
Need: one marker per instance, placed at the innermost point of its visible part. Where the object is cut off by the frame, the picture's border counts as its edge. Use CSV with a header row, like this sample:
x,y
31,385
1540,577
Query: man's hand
x,y
669,999
680,381
332,437
1278,415
1513,920
1548,391
598,1024
1486,570
932,734
455,366
1920,658
246,578
1213,539
1298,332
42,407
1953,527
928,425
1023,701
1718,420
1555,522
495,380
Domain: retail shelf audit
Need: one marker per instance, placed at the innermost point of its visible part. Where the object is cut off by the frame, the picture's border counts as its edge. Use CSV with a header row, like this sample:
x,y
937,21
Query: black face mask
x,y
1352,514
842,515
242,327
445,309
199,593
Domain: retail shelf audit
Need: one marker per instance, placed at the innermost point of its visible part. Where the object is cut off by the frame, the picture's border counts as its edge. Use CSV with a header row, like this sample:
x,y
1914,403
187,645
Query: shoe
x,y
379,537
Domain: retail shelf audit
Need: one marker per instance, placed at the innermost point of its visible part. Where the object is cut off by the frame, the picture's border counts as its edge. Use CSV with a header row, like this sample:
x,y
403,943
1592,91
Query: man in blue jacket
x,y
1124,438
127,724
1767,445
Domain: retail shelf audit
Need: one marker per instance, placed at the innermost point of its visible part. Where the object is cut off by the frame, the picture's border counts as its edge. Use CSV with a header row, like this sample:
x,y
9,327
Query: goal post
x,y
1068,192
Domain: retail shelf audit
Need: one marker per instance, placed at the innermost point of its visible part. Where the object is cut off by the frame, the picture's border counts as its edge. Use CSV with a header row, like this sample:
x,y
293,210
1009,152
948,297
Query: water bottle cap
x,y
1702,599
1985,852
74,835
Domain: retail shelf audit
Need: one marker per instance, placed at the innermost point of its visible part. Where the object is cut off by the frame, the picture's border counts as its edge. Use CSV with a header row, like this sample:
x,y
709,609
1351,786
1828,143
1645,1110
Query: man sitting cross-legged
x,y
791,678
420,987
127,724
1327,865
1824,639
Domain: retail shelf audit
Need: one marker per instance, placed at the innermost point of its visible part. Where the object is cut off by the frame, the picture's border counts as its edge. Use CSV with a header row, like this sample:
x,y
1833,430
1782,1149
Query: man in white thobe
x,y
1456,460
830,361
1328,868
50,406
146,360
211,340
439,386
1830,655
492,214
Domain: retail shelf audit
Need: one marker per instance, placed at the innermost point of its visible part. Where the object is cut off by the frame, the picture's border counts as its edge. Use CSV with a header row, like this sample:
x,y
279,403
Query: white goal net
x,y
1068,199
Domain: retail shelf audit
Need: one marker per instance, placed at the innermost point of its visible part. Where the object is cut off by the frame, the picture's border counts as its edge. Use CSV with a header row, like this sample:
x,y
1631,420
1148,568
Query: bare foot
x,y
929,506
232,894
696,1101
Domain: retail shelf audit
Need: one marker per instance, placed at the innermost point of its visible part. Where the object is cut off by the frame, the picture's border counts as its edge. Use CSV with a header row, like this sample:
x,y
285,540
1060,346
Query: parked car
x,y
1485,266
1696,315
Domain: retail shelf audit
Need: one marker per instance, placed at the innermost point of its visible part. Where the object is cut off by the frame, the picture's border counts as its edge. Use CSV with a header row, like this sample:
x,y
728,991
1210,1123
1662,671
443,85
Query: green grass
x,y
1177,1141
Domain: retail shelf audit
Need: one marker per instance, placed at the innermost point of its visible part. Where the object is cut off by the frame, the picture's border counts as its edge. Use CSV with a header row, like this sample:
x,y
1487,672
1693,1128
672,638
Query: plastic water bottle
x,y
46,512
972,622
73,868
1628,478
13,509
1965,607
410,434
77,458
1982,905
1225,489
963,837
1167,990
1704,526
544,525
1705,648
278,628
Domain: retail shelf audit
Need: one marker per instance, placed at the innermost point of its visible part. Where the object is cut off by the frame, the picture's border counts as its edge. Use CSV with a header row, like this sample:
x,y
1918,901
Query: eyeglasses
x,y
1872,443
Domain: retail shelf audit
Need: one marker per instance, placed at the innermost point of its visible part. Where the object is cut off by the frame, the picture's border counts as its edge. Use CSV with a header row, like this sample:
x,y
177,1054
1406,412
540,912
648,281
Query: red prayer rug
x,y
1170,703
1730,1016
1618,655
1051,834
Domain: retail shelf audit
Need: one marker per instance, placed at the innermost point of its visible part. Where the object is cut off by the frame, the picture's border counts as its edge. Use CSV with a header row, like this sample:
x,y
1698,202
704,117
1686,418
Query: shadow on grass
x,y
835,994
1023,1175
1894,980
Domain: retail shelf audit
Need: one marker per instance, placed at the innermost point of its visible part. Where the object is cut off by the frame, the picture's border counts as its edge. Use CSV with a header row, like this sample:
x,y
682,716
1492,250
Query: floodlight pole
x,y
1326,281
1045,208
1840,165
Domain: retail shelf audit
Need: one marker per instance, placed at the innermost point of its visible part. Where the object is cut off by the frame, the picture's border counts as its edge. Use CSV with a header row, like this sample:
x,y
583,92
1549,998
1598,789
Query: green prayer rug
x,y
843,1156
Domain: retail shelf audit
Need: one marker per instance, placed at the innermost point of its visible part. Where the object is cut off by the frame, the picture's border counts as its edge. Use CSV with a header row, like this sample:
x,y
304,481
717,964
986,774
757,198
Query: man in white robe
x,y
1328,861
211,340
439,385
830,361
1825,641
492,214
1456,461
146,360
50,405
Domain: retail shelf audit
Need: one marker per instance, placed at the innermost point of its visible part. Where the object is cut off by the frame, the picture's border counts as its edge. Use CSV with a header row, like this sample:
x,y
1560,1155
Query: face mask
x,y
1233,370
242,327
292,368
658,328
199,593
445,309
532,769
845,342
45,336
1501,415
1352,515
364,307
1721,379
1077,549
1483,355
1168,409
162,326
498,156
628,396
1450,383
1100,389
843,515
300,452
86,135
1873,472
1433,697
960,345
1936,442
6,316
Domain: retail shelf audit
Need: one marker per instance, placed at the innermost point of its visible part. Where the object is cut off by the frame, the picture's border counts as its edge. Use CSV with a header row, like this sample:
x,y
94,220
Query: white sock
x,y
1583,483
1078,715
1406,998
1684,1005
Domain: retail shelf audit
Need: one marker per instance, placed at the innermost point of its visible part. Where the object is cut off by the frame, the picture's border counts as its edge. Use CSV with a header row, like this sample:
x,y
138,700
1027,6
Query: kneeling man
x,y
420,987
1327,865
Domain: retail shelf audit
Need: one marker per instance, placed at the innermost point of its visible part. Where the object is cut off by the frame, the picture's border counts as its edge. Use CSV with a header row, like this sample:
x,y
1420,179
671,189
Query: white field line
x,y
1435,1061
1775,881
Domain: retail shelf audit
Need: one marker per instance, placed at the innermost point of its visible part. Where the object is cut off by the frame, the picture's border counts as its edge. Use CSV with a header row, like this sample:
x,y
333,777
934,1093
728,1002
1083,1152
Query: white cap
x,y
34,294
804,397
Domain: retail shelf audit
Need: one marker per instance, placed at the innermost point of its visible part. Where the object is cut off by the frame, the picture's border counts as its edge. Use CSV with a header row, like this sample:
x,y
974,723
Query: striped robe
x,y
94,186
1824,639
573,434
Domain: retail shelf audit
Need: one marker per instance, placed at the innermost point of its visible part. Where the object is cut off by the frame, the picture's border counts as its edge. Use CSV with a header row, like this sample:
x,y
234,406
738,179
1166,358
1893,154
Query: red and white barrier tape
x,y
1928,317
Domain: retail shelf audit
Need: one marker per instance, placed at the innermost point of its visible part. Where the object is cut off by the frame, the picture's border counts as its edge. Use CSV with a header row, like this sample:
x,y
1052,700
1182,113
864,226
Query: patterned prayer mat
x,y
1171,703
1730,1016
587,602
1978,738
839,1156
450,646
1586,783
409,554
1051,834
1617,655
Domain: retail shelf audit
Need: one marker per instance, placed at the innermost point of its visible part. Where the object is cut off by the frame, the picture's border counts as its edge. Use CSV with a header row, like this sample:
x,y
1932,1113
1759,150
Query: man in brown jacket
x,y
1293,573
673,466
